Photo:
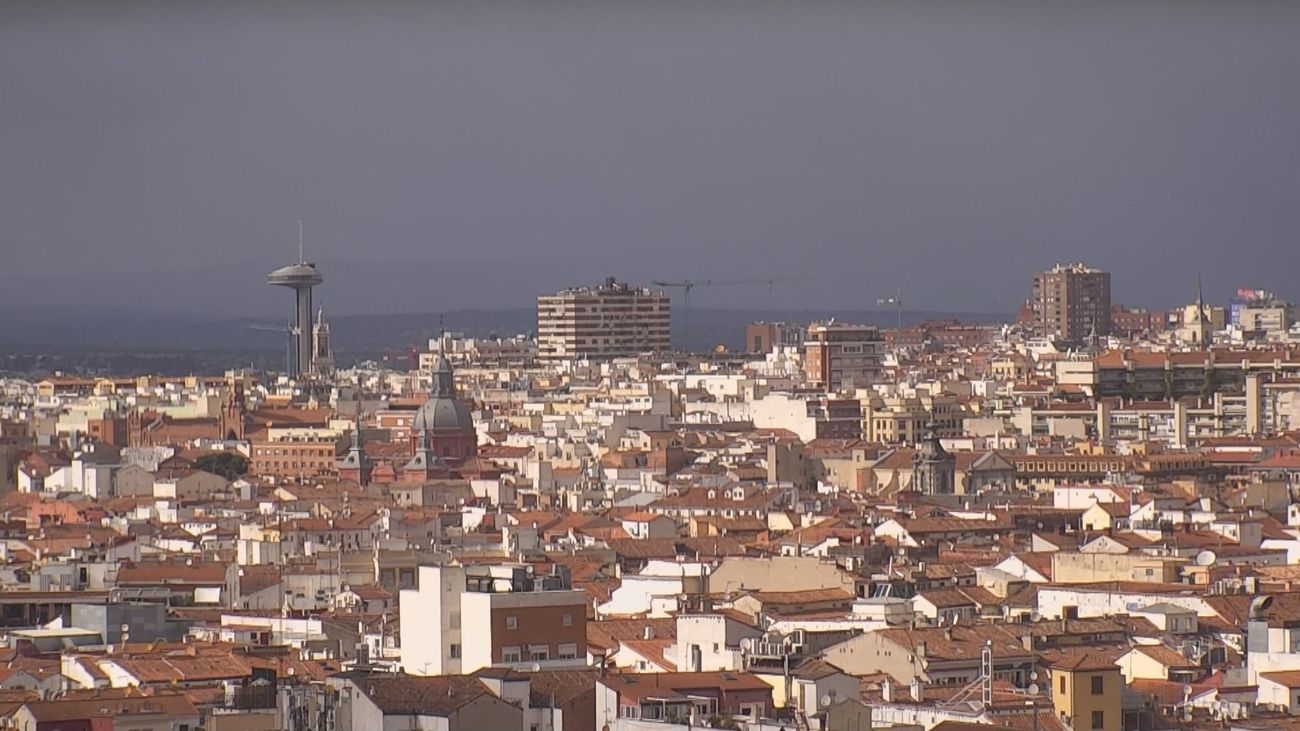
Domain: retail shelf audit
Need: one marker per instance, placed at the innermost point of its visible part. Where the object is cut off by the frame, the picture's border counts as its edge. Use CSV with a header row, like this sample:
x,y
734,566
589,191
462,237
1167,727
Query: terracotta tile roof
x,y
1166,692
964,642
172,706
560,686
808,596
408,695
1286,678
668,685
654,650
1165,656
609,633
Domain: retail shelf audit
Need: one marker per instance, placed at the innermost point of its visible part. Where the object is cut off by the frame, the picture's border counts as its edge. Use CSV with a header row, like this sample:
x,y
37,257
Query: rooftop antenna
x,y
301,260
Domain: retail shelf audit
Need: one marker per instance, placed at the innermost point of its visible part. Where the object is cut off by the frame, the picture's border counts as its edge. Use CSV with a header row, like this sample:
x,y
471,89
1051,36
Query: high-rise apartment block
x,y
1070,302
612,320
839,356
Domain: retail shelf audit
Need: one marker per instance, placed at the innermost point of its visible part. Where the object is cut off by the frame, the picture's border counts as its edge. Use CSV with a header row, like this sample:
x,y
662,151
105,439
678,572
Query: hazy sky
x,y
472,154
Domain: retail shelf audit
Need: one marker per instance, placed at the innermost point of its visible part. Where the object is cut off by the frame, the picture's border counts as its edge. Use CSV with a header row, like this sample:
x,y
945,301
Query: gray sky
x,y
472,154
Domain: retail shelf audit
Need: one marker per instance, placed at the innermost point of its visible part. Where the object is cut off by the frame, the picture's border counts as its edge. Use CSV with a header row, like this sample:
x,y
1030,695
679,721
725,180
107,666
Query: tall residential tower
x,y
1070,302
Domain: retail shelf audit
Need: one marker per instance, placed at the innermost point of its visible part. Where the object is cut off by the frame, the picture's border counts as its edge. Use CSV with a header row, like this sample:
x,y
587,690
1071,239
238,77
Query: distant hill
x,y
79,339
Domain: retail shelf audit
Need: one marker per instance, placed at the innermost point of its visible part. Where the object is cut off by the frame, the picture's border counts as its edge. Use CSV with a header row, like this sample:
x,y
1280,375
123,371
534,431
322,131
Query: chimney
x,y
920,649
649,633
918,690
887,690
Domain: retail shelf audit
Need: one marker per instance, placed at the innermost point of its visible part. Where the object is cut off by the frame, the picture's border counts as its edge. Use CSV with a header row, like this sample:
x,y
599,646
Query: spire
x,y
444,381
1203,318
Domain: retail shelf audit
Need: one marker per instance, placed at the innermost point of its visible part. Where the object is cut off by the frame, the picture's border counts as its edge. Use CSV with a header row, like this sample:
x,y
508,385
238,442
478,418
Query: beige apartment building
x,y
612,320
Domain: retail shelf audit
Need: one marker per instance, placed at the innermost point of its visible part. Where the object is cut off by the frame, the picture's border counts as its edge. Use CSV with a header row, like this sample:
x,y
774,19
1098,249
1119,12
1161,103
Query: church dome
x,y
443,411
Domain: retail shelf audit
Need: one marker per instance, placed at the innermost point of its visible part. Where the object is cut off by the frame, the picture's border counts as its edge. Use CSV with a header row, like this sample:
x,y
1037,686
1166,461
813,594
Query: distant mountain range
x,y
74,337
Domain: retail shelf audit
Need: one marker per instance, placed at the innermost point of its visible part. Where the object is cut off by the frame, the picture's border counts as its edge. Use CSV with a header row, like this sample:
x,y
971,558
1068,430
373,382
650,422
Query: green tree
x,y
229,465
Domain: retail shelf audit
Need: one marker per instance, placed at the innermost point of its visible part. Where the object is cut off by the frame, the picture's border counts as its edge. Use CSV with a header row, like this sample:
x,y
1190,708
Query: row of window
x,y
1069,466
535,653
512,622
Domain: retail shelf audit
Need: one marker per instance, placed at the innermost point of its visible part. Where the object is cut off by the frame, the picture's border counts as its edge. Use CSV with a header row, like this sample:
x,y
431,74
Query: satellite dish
x,y
826,699
536,667
1206,558
747,644
1033,689
1187,690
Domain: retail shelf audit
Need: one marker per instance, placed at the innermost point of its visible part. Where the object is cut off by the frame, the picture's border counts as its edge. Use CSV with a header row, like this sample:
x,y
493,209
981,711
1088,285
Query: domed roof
x,y
443,411
442,414
301,271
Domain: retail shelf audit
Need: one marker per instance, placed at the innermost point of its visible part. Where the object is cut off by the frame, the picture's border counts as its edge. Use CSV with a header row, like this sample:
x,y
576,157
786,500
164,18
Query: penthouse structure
x,y
1071,302
613,320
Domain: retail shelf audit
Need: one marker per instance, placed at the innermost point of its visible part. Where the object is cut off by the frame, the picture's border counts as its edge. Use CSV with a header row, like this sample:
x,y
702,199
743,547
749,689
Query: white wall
x,y
425,623
1051,602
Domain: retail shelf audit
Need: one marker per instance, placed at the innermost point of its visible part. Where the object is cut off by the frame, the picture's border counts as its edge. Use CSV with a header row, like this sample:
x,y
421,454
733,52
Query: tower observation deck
x,y
301,278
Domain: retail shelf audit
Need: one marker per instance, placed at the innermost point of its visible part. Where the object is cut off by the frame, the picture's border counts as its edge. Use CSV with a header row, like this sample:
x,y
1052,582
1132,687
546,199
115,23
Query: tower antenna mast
x,y
301,260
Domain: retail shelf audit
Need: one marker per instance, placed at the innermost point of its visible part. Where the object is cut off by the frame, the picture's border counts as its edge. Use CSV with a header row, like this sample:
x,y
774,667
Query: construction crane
x,y
686,285
290,331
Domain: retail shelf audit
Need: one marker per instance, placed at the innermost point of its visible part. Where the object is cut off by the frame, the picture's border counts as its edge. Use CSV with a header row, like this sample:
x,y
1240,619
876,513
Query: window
x,y
454,651
567,651
539,652
628,712
1098,719
1098,685
567,620
512,622
512,654
1062,683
